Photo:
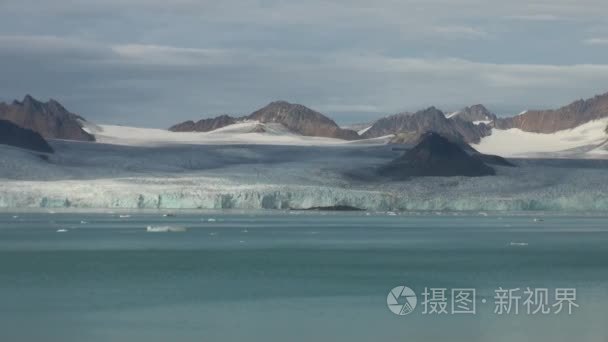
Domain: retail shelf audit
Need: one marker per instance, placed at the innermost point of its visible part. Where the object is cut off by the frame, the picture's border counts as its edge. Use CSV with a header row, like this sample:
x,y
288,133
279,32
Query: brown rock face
x,y
295,117
50,119
550,121
302,120
410,127
13,135
477,112
205,125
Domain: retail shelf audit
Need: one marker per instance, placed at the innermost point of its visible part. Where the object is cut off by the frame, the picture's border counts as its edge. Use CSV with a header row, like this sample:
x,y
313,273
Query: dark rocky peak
x,y
435,155
13,135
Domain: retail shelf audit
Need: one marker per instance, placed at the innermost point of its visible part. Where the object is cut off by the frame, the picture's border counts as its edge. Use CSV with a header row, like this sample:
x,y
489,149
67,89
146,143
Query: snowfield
x,y
585,141
239,133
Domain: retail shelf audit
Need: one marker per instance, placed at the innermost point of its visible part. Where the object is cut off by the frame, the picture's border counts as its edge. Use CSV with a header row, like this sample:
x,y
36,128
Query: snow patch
x,y
361,132
453,114
517,143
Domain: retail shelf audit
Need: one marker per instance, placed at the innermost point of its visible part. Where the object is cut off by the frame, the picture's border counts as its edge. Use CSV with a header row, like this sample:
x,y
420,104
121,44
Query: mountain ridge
x,y
50,119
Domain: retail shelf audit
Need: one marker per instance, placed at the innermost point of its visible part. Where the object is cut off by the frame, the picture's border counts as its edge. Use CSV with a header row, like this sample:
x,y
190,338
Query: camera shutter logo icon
x,y
401,300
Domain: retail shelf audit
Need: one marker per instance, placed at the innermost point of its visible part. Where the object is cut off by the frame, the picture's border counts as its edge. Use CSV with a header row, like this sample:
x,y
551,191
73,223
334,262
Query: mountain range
x,y
471,125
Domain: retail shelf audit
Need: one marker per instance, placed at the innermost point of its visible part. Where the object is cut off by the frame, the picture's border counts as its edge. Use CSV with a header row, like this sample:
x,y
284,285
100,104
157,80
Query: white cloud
x,y
596,41
535,17
460,32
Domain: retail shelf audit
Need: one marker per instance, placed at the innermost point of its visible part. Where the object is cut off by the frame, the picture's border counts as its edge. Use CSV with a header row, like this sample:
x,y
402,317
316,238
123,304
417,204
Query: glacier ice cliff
x,y
86,175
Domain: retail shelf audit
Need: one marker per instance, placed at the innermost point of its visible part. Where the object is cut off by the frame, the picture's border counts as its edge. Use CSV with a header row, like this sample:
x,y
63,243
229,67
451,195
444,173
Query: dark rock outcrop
x,y
50,119
474,113
13,135
551,121
204,125
302,120
436,156
410,127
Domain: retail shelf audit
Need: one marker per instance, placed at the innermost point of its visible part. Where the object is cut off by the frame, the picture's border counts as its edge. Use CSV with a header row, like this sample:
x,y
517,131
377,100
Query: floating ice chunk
x,y
391,213
211,220
518,244
124,216
84,222
538,220
62,230
165,229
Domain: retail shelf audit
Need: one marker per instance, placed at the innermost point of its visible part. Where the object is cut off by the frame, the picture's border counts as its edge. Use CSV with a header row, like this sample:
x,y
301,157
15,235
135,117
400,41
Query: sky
x,y
153,63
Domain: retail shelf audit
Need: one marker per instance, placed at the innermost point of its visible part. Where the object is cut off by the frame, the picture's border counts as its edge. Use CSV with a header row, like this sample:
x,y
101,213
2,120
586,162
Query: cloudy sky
x,y
156,62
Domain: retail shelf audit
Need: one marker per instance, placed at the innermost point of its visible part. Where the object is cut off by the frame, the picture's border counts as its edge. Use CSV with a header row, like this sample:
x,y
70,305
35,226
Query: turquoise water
x,y
278,276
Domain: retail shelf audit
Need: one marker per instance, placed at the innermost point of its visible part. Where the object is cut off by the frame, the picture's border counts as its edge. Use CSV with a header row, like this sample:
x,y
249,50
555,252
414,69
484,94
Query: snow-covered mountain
x,y
573,131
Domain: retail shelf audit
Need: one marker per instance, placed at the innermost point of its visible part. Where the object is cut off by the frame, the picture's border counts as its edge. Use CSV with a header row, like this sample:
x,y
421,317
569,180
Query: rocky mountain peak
x,y
435,155
409,127
474,113
49,119
567,117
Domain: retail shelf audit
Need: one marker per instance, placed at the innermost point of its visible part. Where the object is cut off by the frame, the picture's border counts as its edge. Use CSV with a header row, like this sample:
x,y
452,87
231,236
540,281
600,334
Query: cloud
x,y
138,83
596,41
535,17
460,32
155,62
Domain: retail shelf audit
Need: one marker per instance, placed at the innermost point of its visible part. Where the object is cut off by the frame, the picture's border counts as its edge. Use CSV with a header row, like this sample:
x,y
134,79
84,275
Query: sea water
x,y
297,276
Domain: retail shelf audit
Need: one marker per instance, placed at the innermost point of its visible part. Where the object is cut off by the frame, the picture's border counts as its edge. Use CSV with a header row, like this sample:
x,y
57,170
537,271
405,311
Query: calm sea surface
x,y
280,276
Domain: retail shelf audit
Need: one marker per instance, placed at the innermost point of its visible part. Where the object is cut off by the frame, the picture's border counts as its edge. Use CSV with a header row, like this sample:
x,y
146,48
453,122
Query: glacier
x,y
183,176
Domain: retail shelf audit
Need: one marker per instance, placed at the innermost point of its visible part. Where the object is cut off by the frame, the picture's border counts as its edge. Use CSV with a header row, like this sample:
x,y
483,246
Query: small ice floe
x,y
169,215
368,214
481,213
518,244
15,216
391,213
124,216
245,231
165,229
213,234
211,220
241,241
538,220
62,230
84,222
